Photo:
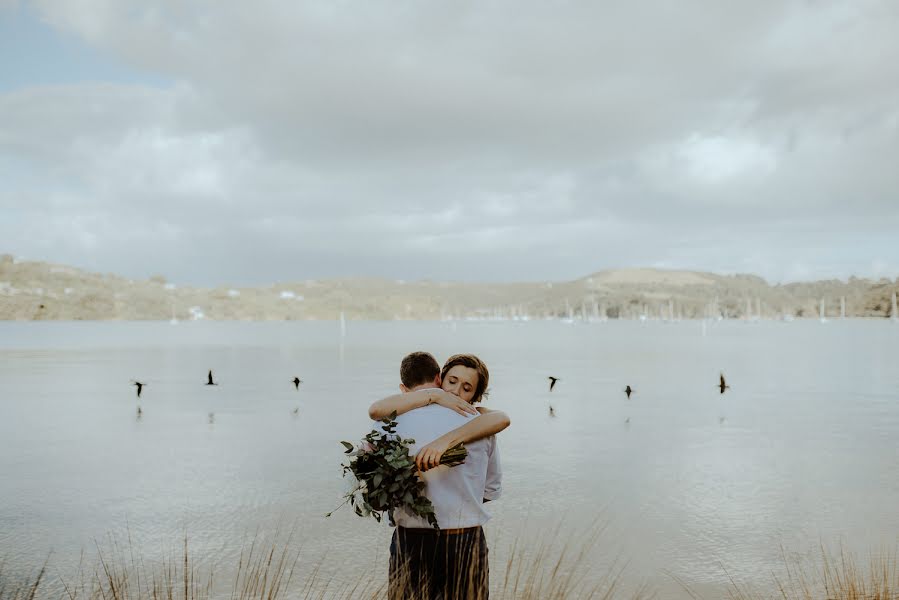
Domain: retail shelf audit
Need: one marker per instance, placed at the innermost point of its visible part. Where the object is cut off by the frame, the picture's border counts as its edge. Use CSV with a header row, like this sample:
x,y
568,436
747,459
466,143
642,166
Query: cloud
x,y
481,141
718,159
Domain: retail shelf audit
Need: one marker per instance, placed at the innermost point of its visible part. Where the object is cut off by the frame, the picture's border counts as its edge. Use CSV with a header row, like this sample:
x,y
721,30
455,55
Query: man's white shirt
x,y
457,493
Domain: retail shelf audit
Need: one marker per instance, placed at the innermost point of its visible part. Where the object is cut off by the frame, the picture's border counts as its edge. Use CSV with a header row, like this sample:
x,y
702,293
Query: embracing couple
x,y
436,407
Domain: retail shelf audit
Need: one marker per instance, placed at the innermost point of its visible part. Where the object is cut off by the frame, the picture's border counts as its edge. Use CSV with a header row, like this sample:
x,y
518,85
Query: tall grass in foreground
x,y
833,576
542,572
265,571
261,573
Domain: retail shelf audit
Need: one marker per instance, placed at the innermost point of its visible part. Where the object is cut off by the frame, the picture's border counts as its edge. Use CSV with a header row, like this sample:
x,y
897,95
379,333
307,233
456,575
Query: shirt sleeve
x,y
494,486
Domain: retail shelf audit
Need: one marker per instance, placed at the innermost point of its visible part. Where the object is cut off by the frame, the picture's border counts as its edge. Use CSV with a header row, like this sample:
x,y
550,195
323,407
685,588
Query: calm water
x,y
804,448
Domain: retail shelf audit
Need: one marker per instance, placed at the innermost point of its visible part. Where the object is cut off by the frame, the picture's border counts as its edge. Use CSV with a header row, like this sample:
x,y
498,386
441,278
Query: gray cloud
x,y
467,141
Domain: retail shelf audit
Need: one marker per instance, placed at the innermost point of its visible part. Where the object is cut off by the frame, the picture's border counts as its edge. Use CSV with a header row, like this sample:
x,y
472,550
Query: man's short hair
x,y
473,362
418,368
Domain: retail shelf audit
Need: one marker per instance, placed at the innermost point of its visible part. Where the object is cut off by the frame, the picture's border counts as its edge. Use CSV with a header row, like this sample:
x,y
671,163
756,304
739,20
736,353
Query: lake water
x,y
803,449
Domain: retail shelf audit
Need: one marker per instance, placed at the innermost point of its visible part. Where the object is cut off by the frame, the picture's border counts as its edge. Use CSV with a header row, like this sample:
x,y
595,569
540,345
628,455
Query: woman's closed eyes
x,y
465,386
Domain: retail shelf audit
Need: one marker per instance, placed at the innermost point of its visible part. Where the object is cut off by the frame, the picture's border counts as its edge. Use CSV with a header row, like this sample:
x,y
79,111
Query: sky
x,y
229,142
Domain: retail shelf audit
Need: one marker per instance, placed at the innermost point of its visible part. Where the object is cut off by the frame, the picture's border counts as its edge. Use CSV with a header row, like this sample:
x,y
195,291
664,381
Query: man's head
x,y
466,376
419,369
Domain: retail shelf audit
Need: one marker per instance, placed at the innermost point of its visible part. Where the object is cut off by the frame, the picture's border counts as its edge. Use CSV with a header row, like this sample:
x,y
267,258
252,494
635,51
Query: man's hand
x,y
429,456
453,402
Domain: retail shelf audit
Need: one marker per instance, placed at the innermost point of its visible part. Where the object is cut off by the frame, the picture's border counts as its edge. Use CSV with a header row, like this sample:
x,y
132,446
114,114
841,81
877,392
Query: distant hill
x,y
44,291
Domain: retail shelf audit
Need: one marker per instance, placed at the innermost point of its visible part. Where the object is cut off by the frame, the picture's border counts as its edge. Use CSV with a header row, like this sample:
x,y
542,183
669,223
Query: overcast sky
x,y
225,141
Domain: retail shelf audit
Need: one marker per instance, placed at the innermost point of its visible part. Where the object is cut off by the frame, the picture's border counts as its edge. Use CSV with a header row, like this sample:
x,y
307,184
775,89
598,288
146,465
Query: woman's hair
x,y
473,362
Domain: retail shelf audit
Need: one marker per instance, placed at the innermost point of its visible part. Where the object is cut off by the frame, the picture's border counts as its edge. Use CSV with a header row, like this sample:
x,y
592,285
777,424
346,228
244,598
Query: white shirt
x,y
457,493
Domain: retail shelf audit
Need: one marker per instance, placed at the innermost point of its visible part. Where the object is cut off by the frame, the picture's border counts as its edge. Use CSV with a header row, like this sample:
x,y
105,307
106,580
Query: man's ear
x,y
403,388
437,381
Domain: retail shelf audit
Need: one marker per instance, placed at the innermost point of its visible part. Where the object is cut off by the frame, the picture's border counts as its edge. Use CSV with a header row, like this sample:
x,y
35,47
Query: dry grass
x,y
265,572
552,569
23,589
117,574
559,567
832,576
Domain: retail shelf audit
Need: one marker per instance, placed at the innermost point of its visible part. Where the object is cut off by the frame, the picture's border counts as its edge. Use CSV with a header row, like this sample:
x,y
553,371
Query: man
x,y
450,562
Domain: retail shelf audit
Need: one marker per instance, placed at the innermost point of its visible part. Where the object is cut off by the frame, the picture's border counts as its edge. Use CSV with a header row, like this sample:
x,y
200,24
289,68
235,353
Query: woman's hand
x,y
453,402
429,456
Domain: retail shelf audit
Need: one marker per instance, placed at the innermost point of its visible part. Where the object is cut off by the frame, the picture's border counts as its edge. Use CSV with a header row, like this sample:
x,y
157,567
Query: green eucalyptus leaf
x,y
387,475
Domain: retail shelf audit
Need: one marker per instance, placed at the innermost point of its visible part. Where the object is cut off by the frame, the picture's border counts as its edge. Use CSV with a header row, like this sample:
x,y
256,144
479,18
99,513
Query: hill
x,y
45,291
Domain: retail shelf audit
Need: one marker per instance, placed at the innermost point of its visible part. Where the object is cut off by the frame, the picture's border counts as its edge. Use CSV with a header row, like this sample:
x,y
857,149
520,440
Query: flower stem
x,y
454,456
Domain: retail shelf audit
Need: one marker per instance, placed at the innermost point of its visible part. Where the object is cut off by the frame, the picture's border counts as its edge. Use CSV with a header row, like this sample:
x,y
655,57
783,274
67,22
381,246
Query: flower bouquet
x,y
386,475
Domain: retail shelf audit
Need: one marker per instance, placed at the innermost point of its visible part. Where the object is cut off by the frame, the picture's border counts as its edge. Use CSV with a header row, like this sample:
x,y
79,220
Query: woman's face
x,y
461,381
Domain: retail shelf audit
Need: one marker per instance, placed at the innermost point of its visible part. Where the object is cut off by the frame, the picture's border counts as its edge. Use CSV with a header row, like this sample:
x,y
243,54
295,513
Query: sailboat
x,y
174,319
342,325
842,307
821,311
894,313
570,318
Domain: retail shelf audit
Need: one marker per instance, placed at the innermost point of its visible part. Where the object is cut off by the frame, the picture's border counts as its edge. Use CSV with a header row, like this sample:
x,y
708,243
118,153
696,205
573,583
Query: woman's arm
x,y
489,423
403,403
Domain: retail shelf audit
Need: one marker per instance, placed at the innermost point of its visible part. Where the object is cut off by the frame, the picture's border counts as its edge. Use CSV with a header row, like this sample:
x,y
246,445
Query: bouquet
x,y
386,475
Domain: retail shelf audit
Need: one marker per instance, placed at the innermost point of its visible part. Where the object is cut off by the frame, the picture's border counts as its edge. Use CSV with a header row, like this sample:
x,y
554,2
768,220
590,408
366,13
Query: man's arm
x,y
489,423
403,403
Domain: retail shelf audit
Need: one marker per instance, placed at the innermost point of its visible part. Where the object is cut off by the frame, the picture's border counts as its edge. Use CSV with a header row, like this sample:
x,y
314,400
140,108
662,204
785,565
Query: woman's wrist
x,y
448,440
